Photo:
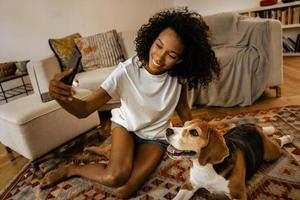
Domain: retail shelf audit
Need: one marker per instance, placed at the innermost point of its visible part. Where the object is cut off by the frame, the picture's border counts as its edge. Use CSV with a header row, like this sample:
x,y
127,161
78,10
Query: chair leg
x,y
277,90
10,153
8,150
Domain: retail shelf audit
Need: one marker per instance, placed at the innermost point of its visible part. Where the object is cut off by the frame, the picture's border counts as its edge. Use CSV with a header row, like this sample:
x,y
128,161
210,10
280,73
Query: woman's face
x,y
165,52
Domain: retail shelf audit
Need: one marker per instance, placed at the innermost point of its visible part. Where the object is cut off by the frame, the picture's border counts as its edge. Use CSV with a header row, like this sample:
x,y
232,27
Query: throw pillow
x,y
100,50
64,49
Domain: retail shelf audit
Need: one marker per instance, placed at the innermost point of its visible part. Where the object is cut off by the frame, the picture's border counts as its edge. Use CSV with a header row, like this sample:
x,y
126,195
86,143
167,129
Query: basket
x,y
7,69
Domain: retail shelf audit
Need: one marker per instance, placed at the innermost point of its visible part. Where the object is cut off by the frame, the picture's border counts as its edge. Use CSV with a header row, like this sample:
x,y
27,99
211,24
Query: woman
x,y
173,54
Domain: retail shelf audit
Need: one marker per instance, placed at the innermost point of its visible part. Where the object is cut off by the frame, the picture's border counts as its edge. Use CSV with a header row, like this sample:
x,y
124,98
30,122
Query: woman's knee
x,y
119,177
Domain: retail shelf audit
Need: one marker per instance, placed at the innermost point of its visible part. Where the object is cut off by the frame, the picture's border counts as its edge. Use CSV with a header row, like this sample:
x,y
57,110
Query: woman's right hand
x,y
60,91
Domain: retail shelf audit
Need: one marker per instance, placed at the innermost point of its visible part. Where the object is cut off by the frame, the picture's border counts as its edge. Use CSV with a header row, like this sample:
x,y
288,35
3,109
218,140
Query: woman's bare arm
x,y
63,94
182,108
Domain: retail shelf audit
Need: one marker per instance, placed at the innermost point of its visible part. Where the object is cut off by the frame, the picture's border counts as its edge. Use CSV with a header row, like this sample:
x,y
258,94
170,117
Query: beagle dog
x,y
220,163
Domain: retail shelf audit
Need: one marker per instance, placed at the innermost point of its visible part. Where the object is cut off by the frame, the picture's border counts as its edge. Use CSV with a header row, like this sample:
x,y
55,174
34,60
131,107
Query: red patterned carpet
x,y
278,180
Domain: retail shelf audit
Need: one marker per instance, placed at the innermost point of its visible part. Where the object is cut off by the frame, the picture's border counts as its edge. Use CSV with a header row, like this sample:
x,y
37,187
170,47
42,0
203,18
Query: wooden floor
x,y
290,96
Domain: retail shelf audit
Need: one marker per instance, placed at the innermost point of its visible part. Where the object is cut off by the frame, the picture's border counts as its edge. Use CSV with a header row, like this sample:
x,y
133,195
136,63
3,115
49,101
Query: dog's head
x,y
197,139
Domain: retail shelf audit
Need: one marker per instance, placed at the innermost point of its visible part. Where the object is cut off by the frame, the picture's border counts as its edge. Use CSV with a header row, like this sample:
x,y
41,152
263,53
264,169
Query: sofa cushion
x,y
93,79
100,50
26,112
64,49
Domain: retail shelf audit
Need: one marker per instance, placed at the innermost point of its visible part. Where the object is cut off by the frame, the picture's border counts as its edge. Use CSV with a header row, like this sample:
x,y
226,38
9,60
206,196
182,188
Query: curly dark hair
x,y
199,64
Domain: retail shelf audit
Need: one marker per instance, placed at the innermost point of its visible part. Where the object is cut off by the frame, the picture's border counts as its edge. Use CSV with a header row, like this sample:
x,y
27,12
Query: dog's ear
x,y
216,150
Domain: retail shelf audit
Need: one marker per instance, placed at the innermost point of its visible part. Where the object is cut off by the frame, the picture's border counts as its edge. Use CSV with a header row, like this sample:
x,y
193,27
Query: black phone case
x,y
74,64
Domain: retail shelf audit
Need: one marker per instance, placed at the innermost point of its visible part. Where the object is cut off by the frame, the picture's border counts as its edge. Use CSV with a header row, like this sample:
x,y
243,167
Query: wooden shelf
x,y
289,30
276,6
291,54
290,26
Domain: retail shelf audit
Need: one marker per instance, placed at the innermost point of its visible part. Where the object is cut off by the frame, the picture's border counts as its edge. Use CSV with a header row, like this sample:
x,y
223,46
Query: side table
x,y
15,91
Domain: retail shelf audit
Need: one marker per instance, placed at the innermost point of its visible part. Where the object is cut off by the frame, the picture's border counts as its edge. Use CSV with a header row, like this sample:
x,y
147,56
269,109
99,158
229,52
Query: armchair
x,y
249,52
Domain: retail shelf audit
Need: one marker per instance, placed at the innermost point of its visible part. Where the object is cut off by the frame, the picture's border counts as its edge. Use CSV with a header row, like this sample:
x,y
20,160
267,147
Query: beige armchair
x,y
249,52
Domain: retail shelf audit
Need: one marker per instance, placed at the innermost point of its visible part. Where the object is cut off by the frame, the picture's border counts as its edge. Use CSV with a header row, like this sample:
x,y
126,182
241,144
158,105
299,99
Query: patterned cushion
x,y
64,49
100,50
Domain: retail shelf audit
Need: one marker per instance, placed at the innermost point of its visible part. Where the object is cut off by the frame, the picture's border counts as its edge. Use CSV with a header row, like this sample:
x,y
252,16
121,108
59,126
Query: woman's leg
x,y
147,157
117,171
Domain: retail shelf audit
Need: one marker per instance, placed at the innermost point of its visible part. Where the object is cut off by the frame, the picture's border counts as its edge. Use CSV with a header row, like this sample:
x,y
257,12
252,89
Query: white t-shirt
x,y
147,101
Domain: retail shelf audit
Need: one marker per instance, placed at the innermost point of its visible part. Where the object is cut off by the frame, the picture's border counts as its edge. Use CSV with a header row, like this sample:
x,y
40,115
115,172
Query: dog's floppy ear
x,y
216,150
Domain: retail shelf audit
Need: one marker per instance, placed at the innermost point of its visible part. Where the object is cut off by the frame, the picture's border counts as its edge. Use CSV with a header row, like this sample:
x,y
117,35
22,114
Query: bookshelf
x,y
289,15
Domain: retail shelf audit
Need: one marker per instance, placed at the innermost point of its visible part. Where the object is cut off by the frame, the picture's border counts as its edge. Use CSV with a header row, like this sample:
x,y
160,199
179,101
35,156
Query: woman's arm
x,y
63,94
182,108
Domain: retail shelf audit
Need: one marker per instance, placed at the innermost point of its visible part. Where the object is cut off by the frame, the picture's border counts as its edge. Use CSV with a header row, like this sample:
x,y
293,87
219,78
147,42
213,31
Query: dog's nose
x,y
169,132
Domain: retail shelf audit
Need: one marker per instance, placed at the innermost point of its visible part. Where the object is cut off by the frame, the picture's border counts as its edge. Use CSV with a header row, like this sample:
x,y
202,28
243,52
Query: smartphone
x,y
74,64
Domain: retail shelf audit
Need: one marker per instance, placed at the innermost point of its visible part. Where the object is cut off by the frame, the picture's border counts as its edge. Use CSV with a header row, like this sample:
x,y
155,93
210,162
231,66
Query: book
x,y
289,15
273,14
253,14
278,14
289,46
283,17
285,48
297,46
296,15
292,43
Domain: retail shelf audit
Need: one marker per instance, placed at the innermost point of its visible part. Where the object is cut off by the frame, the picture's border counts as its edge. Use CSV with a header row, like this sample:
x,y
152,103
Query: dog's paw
x,y
268,130
286,139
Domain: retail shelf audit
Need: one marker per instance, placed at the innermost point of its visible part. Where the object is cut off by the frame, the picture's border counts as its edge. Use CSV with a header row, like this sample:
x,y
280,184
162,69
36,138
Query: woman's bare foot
x,y
122,192
55,176
103,150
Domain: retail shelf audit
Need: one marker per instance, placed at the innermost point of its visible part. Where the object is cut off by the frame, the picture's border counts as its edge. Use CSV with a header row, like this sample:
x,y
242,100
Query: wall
x,y
27,25
206,7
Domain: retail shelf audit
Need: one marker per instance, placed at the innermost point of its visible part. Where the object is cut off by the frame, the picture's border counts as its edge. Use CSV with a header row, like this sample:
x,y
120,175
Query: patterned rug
x,y
278,180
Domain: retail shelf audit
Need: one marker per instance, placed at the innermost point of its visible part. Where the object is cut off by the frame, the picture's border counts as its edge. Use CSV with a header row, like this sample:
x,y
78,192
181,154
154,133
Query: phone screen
x,y
74,64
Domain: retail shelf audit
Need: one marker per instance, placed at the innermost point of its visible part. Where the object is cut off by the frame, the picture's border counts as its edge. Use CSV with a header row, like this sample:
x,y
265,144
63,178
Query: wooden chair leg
x,y
10,153
277,90
8,150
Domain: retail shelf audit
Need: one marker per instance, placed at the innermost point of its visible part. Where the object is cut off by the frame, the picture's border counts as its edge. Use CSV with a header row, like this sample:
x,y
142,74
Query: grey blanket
x,y
240,46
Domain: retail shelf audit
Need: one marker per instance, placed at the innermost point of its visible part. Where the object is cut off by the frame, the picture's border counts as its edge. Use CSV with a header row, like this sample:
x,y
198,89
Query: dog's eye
x,y
194,132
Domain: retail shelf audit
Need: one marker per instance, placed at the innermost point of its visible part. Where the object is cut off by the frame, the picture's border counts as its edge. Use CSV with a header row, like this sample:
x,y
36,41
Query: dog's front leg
x,y
186,191
184,194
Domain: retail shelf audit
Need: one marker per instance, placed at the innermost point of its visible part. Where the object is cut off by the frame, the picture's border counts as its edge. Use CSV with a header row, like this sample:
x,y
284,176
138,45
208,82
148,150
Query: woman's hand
x,y
60,91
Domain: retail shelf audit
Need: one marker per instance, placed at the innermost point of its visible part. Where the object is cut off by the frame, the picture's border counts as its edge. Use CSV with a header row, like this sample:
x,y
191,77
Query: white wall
x,y
26,26
206,7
